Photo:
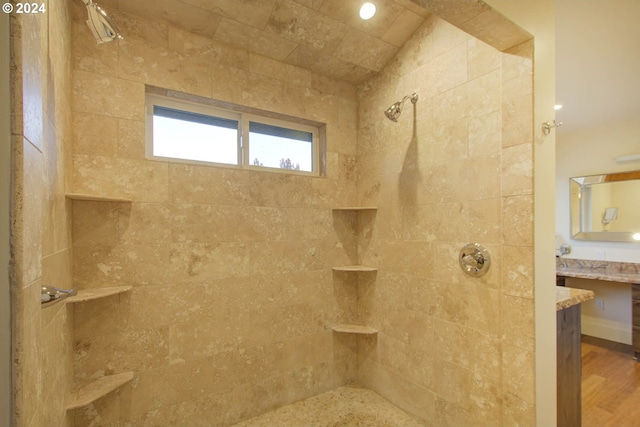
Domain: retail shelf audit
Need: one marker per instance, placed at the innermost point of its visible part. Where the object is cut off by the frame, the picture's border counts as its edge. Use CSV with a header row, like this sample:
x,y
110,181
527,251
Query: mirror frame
x,y
575,208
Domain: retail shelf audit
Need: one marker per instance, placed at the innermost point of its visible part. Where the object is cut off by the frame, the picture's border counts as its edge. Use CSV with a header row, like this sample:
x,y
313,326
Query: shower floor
x,y
347,406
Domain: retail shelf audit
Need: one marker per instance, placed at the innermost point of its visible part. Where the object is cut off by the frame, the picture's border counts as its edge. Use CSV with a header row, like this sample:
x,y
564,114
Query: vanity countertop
x,y
568,297
623,272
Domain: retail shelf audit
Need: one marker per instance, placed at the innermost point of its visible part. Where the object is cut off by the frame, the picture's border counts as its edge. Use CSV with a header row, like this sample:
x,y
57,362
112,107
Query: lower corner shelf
x,y
97,389
96,293
354,268
354,329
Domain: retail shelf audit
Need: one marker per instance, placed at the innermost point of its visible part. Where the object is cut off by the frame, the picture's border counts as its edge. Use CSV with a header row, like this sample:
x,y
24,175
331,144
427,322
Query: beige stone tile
x,y
143,181
277,70
94,223
144,223
95,134
98,317
230,84
193,19
517,220
118,352
517,71
485,135
149,65
364,50
483,58
517,170
86,56
484,94
251,13
97,94
31,207
518,271
485,312
31,30
130,21
483,223
517,411
322,63
519,379
253,39
517,122
402,28
55,224
101,266
185,42
495,29
302,25
518,322
157,388
131,139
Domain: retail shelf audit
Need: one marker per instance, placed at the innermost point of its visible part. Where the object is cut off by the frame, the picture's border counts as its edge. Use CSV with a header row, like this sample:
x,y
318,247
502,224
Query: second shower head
x,y
395,110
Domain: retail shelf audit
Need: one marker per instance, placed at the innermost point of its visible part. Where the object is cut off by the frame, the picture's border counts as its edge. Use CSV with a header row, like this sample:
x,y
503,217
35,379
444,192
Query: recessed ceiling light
x,y
557,107
367,10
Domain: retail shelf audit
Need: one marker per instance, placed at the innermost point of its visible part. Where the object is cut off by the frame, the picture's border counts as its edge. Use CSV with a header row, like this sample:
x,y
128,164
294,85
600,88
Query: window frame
x,y
244,118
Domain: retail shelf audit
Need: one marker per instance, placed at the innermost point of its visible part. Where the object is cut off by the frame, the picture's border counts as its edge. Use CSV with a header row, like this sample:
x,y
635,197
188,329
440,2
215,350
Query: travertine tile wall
x,y
455,169
41,232
233,295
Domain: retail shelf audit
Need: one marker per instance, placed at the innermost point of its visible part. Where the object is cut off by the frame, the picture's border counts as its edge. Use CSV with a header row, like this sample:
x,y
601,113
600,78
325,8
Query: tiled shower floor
x,y
347,406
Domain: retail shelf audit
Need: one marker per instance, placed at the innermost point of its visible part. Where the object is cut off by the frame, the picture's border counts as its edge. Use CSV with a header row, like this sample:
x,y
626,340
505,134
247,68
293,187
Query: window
x,y
184,131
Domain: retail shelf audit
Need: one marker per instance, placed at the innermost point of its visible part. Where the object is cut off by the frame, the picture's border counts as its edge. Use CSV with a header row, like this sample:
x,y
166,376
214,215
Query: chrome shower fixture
x,y
102,27
394,111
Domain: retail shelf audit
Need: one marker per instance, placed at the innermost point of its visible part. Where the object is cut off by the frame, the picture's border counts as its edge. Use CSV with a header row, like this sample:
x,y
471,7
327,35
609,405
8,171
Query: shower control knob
x,y
474,259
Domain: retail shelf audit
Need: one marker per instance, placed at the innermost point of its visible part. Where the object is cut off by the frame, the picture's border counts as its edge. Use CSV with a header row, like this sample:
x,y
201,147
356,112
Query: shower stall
x,y
210,295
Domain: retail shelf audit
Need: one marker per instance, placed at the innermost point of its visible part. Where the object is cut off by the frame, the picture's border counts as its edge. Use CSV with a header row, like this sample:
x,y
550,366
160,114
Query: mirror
x,y
606,207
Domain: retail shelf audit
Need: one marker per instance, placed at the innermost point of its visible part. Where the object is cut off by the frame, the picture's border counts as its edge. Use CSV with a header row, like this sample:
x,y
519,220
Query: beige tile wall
x,y
233,295
41,232
455,169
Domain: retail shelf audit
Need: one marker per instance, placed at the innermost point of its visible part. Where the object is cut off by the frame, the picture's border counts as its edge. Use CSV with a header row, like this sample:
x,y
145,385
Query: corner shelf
x,y
97,389
356,268
354,329
356,208
92,294
95,198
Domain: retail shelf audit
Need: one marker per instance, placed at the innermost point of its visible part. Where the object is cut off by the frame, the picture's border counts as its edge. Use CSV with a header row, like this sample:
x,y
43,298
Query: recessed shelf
x,y
356,208
355,329
91,294
95,198
97,389
355,268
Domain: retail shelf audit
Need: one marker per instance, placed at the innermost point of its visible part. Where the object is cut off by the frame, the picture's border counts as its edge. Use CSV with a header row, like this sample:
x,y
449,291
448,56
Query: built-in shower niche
x,y
100,299
353,226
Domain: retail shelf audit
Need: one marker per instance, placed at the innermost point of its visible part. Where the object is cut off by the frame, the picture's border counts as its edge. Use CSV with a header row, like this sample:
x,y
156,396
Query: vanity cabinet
x,y
635,313
569,362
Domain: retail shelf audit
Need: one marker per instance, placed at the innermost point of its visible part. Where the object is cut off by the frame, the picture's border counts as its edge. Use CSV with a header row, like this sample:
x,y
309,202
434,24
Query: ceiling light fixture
x,y
629,158
367,10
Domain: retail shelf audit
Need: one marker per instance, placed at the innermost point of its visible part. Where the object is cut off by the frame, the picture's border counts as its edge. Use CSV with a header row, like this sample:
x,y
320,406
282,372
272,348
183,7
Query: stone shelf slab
x,y
91,294
355,329
96,198
354,268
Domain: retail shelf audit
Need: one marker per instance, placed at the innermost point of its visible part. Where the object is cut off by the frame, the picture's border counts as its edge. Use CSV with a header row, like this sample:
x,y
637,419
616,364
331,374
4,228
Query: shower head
x,y
394,111
102,27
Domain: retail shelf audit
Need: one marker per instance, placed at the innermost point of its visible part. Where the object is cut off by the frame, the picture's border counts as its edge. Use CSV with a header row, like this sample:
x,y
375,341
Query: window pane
x,y
191,136
277,147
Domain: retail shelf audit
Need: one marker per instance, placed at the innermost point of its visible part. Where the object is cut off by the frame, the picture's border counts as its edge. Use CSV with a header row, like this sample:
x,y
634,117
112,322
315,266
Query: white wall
x,y
538,18
5,173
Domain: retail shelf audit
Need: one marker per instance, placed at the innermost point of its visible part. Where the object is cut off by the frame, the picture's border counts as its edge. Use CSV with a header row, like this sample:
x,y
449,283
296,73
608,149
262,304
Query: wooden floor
x,y
610,384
